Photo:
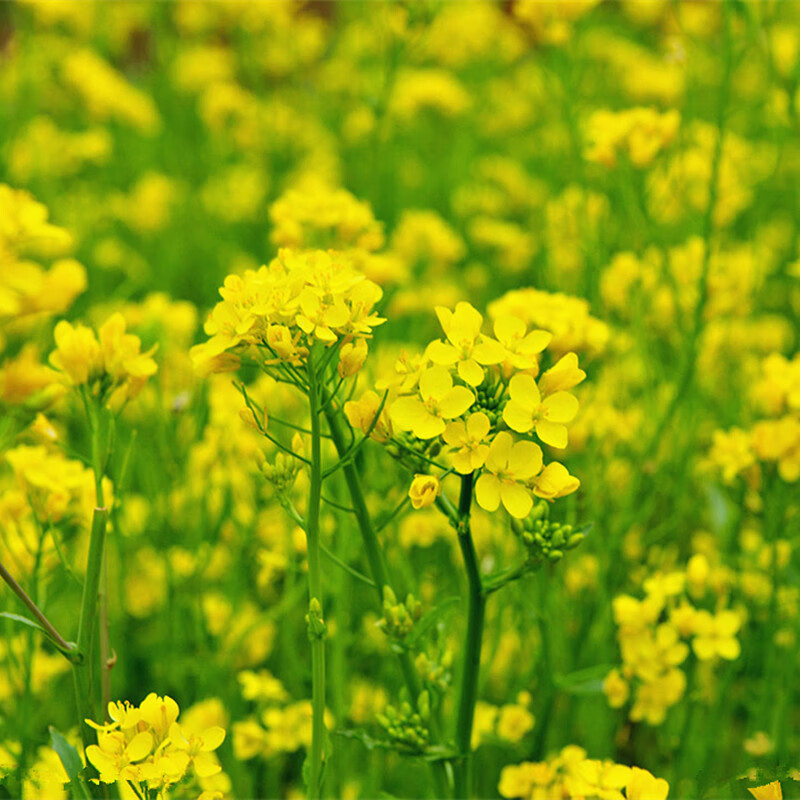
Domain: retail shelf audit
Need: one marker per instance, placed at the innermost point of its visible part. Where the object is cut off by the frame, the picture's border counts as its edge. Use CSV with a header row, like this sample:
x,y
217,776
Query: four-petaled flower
x,y
508,467
466,346
470,439
521,347
716,635
440,401
526,410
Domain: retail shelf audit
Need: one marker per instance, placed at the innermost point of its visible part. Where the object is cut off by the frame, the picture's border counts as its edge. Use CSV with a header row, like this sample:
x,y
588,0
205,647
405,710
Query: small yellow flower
x,y
563,375
521,347
508,466
470,438
645,786
526,410
424,490
716,635
440,401
466,346
554,481
616,689
769,791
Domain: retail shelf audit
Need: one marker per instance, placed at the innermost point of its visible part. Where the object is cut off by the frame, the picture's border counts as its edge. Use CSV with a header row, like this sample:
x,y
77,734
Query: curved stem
x,y
476,604
316,625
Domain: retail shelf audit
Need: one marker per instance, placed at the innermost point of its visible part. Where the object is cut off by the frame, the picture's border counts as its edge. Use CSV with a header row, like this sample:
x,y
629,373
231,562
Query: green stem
x,y
316,629
88,620
377,568
476,605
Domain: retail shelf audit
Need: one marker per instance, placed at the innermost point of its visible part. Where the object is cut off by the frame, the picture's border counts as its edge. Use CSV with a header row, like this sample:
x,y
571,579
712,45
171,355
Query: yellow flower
x,y
199,748
470,438
361,414
769,791
716,635
78,353
564,374
616,689
466,346
440,401
645,786
508,466
424,490
114,758
554,481
514,722
352,357
526,410
521,347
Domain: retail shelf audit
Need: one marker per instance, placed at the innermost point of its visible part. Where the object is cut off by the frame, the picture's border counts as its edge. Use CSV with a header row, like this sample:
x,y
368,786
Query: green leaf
x,y
583,681
24,621
67,753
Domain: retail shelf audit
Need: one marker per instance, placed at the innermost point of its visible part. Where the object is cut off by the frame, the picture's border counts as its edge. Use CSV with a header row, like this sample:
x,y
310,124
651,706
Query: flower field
x,y
399,399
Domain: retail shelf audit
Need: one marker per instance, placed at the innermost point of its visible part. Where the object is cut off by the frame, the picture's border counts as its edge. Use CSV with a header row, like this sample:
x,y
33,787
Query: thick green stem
x,y
378,572
476,603
316,625
87,623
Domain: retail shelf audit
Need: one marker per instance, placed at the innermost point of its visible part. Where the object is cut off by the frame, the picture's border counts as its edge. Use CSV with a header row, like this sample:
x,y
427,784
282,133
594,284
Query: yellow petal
x,y
140,746
435,383
517,499
428,426
517,417
525,460
522,389
213,738
441,353
478,425
552,433
470,372
499,452
456,402
406,411
487,492
560,407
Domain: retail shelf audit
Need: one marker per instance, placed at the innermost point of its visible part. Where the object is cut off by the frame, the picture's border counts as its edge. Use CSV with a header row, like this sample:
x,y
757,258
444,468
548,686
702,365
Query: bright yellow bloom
x,y
769,791
564,374
424,490
521,347
526,410
509,466
642,785
470,439
199,748
113,367
466,346
438,400
554,481
716,635
114,758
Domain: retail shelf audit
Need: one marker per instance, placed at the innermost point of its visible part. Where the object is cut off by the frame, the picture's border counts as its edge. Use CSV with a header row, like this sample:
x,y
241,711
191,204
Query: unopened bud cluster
x,y
406,726
545,541
399,618
282,472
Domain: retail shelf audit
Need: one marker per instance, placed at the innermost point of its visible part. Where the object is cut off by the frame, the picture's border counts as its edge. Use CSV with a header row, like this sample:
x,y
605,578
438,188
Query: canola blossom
x,y
399,399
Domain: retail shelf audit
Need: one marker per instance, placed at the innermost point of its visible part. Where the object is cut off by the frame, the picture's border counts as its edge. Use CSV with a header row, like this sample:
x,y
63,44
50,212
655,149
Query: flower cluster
x,y
109,366
771,441
653,633
284,308
477,396
278,725
638,134
146,746
571,774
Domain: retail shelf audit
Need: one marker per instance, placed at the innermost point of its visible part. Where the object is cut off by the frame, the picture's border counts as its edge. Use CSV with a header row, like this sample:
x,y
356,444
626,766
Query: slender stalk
x,y
316,625
88,620
68,649
476,605
377,569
